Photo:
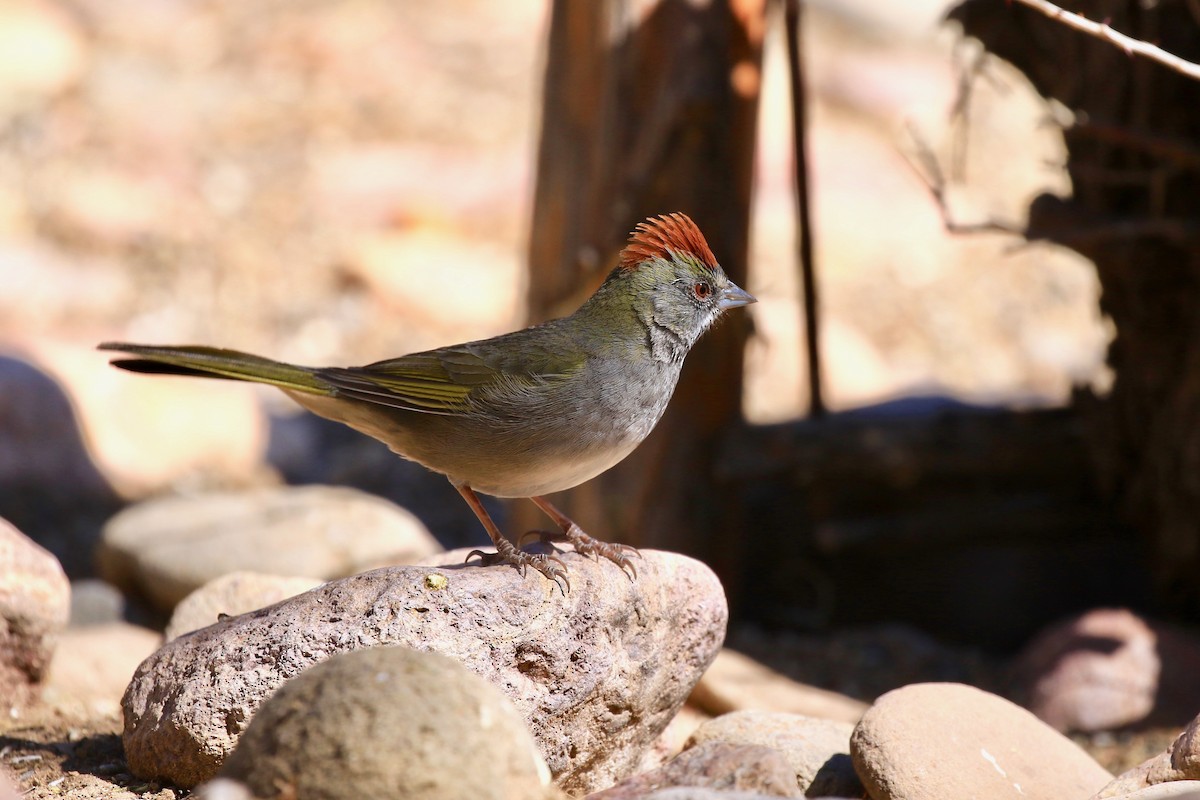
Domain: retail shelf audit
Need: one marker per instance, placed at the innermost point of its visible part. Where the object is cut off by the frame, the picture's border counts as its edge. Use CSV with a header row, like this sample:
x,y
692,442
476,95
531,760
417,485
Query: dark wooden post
x,y
651,107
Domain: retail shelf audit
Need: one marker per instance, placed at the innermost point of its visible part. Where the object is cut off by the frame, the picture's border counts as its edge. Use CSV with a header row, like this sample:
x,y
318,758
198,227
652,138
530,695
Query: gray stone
x,y
388,722
931,741
166,548
95,602
817,750
597,674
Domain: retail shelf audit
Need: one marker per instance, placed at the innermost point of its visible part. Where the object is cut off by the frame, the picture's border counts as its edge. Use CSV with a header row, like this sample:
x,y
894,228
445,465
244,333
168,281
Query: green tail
x,y
213,362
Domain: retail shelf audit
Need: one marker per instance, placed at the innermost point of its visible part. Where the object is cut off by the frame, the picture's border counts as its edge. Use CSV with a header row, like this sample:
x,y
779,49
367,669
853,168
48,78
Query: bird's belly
x,y
543,473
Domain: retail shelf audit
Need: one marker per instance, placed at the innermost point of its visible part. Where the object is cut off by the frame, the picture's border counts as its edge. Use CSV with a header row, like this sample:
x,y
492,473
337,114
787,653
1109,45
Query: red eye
x,y
702,290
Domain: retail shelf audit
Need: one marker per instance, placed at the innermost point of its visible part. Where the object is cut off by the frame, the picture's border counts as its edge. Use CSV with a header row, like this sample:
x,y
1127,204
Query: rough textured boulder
x,y
388,722
596,674
931,741
35,601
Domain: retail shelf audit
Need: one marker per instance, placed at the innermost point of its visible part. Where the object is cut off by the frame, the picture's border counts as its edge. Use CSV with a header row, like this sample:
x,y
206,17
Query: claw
x,y
483,557
624,562
555,573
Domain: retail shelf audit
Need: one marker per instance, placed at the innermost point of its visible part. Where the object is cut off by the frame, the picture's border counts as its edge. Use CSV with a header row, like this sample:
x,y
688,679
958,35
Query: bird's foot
x,y
506,553
587,545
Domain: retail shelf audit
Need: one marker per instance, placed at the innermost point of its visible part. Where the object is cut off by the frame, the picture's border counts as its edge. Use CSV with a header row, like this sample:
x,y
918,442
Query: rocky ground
x,y
620,688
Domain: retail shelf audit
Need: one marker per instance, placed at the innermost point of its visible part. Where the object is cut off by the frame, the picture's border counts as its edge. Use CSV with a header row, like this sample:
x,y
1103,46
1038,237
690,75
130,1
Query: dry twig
x,y
1127,43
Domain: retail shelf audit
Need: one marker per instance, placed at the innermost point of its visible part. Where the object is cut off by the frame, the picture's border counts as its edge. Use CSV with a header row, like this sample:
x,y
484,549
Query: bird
x,y
523,414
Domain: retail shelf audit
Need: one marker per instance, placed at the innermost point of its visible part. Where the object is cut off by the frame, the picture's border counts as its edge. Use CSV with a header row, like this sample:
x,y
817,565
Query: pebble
x,y
42,50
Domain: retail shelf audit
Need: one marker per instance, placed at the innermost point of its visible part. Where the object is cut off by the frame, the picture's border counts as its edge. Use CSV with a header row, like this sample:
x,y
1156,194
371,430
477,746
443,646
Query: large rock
x,y
166,548
388,722
931,741
1180,762
597,674
817,750
713,765
35,602
1109,669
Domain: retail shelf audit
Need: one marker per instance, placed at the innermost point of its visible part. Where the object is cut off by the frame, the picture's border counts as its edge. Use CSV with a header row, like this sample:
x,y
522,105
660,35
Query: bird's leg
x,y
506,552
570,532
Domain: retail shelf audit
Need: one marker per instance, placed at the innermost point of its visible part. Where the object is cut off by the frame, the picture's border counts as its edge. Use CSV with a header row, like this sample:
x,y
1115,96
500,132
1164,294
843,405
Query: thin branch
x,y
792,22
1102,31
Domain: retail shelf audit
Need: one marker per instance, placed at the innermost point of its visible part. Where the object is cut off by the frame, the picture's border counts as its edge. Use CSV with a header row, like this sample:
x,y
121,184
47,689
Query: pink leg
x,y
507,553
583,543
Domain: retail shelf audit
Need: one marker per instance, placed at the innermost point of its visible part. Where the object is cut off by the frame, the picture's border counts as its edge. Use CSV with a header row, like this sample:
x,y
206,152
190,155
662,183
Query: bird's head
x,y
678,284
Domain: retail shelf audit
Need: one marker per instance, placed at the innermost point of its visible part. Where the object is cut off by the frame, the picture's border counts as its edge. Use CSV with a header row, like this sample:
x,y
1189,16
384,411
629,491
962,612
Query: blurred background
x,y
340,181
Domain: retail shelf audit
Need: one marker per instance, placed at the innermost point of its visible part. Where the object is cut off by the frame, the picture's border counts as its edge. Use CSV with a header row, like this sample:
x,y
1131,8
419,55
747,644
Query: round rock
x,y
388,722
929,741
168,547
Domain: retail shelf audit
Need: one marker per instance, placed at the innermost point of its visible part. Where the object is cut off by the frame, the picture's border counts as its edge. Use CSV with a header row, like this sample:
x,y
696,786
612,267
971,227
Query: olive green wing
x,y
450,380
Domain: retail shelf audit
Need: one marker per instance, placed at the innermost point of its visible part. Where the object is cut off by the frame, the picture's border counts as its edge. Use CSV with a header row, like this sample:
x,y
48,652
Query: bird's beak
x,y
735,297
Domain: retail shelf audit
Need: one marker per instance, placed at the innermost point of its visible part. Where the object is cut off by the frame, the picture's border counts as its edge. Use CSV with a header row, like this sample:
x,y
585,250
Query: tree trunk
x,y
650,107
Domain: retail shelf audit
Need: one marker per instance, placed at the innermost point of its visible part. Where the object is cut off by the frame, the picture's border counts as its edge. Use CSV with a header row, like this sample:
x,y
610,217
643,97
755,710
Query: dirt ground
x,y
53,754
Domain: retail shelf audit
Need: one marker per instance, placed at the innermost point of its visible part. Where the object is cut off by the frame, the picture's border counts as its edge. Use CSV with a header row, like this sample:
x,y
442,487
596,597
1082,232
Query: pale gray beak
x,y
735,297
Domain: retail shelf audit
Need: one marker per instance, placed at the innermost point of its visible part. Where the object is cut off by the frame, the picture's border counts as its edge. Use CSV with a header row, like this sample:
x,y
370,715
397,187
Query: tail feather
x,y
214,362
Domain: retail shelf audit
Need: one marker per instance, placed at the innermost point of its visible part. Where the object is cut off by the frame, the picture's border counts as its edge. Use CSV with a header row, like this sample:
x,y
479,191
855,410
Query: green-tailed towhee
x,y
527,413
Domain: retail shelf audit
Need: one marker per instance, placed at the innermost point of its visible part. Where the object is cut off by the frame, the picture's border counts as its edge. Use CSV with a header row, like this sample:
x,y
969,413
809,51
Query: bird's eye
x,y
703,290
